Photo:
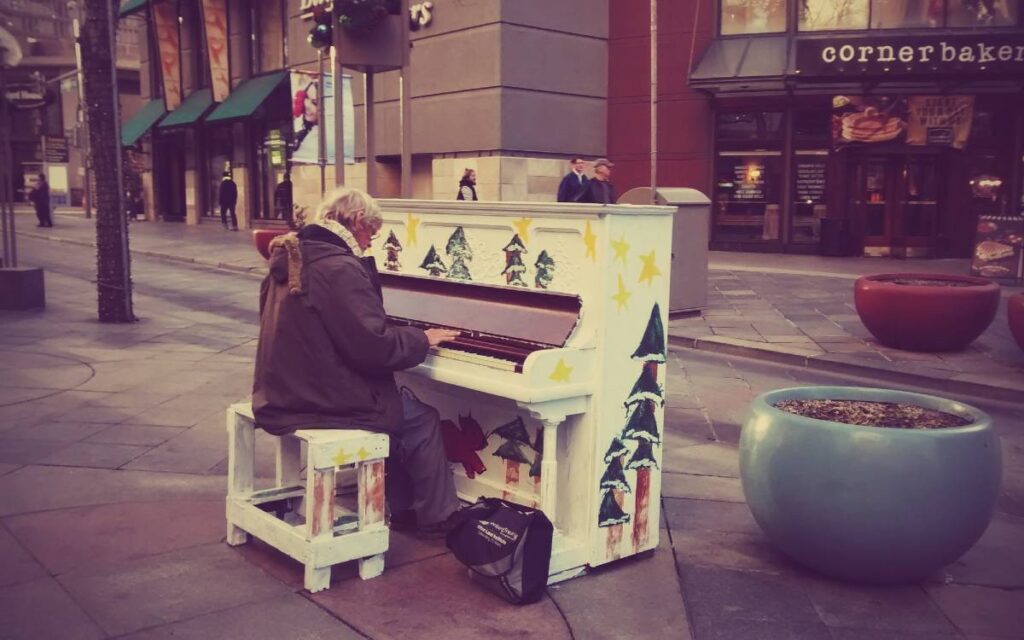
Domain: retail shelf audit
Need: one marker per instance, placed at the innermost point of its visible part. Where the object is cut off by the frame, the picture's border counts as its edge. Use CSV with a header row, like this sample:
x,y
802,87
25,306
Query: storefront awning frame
x,y
143,120
189,112
247,98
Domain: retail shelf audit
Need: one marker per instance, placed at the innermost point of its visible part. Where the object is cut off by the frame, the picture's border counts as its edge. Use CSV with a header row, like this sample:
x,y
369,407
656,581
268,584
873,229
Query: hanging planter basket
x,y
360,18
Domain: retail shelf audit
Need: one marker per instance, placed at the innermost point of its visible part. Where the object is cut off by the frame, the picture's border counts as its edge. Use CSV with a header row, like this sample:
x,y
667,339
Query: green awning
x,y
190,111
247,97
130,6
141,122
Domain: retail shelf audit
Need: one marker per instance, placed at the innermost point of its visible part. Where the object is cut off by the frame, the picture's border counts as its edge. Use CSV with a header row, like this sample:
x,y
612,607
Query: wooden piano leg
x,y
549,469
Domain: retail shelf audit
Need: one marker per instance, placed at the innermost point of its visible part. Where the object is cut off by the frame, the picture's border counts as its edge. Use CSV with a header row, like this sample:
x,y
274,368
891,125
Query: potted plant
x,y
1015,315
870,485
925,312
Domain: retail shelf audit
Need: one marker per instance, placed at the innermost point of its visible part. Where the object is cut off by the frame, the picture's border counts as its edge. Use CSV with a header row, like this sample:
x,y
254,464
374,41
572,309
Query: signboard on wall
x,y
868,120
810,180
749,180
306,103
165,18
988,54
939,120
998,247
215,21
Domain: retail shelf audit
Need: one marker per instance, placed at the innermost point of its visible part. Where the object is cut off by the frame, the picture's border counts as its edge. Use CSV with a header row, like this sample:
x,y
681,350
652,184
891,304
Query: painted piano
x,y
553,396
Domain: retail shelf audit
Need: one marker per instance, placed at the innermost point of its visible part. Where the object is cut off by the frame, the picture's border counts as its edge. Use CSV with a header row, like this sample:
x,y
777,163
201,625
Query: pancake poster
x,y
998,244
868,120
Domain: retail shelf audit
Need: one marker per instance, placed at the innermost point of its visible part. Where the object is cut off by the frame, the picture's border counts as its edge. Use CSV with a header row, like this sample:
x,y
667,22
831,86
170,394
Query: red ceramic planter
x,y
923,317
1015,311
262,238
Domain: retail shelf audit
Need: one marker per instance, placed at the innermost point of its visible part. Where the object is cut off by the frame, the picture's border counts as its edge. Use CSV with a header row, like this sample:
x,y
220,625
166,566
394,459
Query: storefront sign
x,y
421,14
995,54
56,150
165,18
749,180
25,97
998,246
868,119
939,120
810,181
306,105
215,17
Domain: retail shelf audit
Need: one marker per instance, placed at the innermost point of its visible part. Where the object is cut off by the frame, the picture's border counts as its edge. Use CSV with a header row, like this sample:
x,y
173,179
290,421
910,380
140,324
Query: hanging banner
x,y
939,120
215,18
306,104
165,18
868,119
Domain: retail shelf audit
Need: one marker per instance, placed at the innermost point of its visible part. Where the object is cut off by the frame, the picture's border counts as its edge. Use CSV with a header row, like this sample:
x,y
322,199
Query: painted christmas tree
x,y
614,485
433,263
545,270
642,426
514,267
514,434
460,252
393,247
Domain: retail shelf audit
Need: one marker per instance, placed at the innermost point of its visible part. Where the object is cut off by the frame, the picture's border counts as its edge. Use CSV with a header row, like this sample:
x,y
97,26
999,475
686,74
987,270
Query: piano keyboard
x,y
475,358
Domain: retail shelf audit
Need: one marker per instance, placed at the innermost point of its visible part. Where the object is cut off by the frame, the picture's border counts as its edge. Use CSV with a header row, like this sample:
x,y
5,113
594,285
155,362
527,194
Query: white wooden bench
x,y
326,534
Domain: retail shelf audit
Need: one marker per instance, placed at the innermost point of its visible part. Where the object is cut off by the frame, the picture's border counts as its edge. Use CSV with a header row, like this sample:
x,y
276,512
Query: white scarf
x,y
342,232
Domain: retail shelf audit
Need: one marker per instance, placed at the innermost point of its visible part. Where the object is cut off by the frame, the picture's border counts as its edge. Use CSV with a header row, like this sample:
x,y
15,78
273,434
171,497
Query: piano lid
x,y
543,317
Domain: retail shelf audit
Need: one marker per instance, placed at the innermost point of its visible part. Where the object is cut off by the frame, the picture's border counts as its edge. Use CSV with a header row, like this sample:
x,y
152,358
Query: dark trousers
x,y
224,210
43,215
419,477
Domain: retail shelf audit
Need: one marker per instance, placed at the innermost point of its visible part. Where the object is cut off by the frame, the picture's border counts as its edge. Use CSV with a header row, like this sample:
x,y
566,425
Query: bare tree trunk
x,y
113,269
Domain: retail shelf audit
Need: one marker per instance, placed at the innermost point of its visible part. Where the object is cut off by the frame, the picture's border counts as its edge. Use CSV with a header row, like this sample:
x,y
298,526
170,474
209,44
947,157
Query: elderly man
x,y
327,354
600,189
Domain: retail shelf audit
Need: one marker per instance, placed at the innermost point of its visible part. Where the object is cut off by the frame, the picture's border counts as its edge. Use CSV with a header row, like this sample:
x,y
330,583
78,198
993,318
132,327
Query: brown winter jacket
x,y
326,351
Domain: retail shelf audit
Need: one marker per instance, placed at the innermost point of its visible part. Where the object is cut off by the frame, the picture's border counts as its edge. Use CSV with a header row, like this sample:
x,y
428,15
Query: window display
x,y
829,15
809,203
753,16
906,14
747,195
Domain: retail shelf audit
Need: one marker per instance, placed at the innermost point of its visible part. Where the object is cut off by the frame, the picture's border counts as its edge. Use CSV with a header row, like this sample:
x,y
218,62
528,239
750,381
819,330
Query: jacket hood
x,y
291,251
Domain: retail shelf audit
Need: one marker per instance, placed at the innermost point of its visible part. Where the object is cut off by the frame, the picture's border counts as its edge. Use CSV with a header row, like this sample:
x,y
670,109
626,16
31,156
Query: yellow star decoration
x,y
561,372
522,225
341,458
411,225
622,297
621,248
590,240
363,454
650,269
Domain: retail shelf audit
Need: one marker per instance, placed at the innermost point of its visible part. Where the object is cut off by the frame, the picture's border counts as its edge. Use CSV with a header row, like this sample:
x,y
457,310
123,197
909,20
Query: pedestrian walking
x,y
574,184
600,189
228,200
467,186
40,197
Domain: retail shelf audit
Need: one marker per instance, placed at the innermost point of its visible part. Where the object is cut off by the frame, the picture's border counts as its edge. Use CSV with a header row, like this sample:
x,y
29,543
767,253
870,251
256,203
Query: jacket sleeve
x,y
357,325
563,190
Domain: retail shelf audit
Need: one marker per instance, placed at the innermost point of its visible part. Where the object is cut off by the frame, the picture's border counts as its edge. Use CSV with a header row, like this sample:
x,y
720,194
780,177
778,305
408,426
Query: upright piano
x,y
553,395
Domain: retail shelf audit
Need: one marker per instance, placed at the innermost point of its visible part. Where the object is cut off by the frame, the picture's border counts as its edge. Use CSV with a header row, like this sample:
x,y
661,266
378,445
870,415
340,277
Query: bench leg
x,y
371,567
317,579
236,536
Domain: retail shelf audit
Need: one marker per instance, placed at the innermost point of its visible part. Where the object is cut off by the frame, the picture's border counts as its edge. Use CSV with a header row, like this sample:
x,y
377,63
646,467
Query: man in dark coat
x,y
40,197
574,184
283,199
467,186
600,189
327,356
228,197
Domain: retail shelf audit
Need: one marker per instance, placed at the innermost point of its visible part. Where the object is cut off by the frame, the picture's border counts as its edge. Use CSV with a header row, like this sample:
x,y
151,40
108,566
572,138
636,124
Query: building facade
x,y
858,127
507,88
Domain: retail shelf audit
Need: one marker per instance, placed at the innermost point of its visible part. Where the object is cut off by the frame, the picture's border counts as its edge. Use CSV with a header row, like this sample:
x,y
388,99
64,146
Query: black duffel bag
x,y
507,548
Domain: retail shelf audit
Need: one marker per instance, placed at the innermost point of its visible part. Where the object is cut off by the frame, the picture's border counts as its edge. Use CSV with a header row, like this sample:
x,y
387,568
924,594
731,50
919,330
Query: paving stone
x,y
729,628
839,633
41,609
717,596
996,560
727,550
136,594
715,459
893,608
91,454
135,434
707,515
105,534
16,451
982,610
291,617
683,485
18,564
55,431
448,605
6,468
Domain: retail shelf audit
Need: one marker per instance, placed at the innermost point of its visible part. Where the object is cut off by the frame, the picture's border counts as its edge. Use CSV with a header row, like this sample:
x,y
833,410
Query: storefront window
x,y
983,13
750,126
809,188
218,160
748,196
828,15
907,14
753,16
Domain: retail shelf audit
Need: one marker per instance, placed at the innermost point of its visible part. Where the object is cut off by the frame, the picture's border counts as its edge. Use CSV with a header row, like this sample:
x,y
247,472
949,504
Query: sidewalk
x,y
796,310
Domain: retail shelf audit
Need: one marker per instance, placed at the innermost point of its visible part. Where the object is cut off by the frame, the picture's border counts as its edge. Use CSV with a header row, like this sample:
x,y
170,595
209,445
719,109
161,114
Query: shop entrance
x,y
169,177
897,202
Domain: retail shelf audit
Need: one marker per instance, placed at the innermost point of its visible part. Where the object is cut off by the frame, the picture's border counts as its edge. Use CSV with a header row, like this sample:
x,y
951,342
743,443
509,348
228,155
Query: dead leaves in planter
x,y
873,414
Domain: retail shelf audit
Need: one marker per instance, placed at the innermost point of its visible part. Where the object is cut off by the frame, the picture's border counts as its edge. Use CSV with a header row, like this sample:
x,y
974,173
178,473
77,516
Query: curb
x,y
817,363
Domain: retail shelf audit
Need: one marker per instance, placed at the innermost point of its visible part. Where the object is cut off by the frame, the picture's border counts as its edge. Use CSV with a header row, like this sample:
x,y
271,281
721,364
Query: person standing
x,y
40,197
283,200
228,199
600,189
467,186
574,184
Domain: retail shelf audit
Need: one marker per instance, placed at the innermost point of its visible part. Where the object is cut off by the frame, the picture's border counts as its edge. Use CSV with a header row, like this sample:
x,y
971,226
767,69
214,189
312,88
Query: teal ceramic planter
x,y
869,504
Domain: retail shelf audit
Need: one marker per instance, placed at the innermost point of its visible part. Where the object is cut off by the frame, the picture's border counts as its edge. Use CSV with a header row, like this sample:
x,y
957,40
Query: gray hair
x,y
342,204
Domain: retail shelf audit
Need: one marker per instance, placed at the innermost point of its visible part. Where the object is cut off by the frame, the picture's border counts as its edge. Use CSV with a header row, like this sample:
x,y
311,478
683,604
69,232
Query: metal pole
x,y
371,148
405,113
83,112
321,132
654,101
339,105
122,218
7,189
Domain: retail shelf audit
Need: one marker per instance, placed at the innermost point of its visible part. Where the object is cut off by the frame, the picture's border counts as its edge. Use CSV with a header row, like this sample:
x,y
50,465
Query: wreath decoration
x,y
362,17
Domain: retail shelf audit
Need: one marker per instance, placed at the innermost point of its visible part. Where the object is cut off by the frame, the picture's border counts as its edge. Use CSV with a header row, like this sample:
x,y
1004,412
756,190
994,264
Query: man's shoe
x,y
403,521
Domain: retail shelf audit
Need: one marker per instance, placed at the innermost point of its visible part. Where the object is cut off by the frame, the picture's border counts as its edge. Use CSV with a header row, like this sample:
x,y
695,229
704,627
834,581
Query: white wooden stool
x,y
328,534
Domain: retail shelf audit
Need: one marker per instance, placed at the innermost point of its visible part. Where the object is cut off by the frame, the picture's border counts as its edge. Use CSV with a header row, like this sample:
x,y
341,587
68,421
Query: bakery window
x,y
907,14
833,15
748,196
762,128
752,16
809,185
982,13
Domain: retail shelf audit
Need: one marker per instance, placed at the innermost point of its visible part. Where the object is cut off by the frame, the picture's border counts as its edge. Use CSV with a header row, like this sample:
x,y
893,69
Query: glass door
x,y
875,203
916,218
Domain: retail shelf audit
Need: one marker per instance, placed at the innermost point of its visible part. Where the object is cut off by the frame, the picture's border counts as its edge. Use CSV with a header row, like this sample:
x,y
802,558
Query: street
x,y
112,451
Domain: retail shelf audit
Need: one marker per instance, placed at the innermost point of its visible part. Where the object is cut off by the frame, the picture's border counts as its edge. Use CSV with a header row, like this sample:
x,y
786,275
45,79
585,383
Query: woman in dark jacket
x,y
327,355
467,186
40,197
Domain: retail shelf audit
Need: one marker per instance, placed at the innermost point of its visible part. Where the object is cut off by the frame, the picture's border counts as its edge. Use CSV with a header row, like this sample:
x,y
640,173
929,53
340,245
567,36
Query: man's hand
x,y
437,336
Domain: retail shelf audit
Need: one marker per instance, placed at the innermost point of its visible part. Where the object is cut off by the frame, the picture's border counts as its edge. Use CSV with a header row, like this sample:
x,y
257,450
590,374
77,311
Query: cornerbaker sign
x,y
996,54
